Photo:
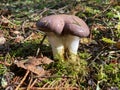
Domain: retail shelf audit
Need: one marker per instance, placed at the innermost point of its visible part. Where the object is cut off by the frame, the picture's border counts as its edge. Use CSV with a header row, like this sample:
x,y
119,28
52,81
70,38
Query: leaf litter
x,y
13,20
32,64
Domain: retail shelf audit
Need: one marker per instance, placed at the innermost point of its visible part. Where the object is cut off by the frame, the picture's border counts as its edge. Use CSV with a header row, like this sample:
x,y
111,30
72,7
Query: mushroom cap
x,y
64,24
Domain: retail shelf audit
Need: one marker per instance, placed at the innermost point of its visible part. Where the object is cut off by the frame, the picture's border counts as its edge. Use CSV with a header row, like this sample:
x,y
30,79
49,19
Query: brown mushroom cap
x,y
64,24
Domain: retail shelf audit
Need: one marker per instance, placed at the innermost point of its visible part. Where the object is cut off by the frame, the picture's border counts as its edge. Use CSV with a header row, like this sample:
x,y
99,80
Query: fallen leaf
x,y
32,64
46,60
34,60
35,69
20,63
38,61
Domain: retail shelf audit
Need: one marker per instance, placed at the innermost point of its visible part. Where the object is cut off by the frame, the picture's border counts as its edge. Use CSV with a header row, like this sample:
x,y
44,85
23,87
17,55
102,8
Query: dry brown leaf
x,y
46,60
38,61
34,60
32,63
35,69
20,63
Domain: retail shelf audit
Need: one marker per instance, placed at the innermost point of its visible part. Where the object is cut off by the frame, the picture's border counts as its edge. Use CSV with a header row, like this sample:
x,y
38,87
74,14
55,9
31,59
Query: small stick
x,y
23,27
28,87
5,63
54,77
8,20
45,9
96,57
22,80
46,84
55,88
96,15
52,83
38,50
29,37
43,40
113,35
33,83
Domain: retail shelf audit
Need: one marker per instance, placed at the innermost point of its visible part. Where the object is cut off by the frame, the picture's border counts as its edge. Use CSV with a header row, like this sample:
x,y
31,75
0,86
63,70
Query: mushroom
x,y
63,32
2,39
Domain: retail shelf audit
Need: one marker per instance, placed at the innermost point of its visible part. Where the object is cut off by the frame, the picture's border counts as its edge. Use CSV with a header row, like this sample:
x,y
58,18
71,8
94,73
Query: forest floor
x,y
26,60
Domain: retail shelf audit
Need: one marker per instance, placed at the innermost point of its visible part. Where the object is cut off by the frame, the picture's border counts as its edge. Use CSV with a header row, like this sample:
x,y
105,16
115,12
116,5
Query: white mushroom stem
x,y
2,40
65,46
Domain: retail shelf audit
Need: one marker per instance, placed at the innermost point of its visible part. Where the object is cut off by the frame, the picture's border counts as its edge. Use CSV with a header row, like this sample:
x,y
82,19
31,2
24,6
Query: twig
x,y
43,40
52,84
38,50
36,30
28,87
55,11
56,88
46,84
33,83
113,35
53,77
62,83
23,25
5,63
96,15
96,57
22,80
45,9
41,11
29,37
8,20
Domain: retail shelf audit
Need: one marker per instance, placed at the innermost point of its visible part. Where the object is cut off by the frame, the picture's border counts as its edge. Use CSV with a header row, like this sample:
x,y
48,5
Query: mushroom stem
x,y
71,44
64,47
57,45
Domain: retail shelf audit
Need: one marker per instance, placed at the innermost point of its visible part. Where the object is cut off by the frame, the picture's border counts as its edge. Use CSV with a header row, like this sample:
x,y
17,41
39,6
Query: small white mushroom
x,y
2,39
63,32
